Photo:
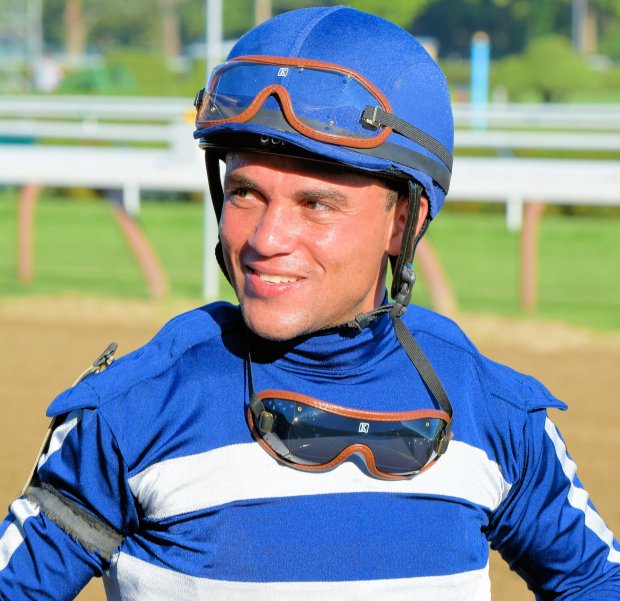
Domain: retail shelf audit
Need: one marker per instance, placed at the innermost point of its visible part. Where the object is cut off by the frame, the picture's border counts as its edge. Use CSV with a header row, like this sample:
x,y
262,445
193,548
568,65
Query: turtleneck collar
x,y
341,349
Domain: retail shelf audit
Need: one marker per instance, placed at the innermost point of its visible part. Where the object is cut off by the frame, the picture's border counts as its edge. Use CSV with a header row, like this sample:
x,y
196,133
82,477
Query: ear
x,y
401,210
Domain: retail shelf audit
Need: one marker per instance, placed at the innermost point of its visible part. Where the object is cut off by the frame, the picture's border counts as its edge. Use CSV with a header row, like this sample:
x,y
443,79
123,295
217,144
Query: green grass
x,y
578,266
480,258
80,249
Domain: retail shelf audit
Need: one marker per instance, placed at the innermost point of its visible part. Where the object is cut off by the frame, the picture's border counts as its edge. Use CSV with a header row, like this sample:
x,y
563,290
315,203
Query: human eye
x,y
237,191
323,202
317,205
240,195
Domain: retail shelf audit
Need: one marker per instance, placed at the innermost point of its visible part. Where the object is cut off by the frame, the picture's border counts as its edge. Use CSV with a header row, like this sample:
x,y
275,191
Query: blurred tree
x,y
512,24
549,68
170,27
192,20
135,38
608,27
76,25
53,26
401,13
238,17
139,25
75,28
99,25
454,23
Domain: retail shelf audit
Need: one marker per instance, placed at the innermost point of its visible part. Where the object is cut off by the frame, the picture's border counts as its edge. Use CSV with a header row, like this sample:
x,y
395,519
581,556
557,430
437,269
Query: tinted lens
x,y
328,101
310,436
232,88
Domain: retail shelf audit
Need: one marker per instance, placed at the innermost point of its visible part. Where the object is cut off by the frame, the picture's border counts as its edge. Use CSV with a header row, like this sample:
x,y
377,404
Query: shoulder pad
x,y
80,396
179,334
503,382
540,397
520,390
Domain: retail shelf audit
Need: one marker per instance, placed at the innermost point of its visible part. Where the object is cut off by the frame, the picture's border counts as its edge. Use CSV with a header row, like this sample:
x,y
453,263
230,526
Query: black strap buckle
x,y
102,362
403,297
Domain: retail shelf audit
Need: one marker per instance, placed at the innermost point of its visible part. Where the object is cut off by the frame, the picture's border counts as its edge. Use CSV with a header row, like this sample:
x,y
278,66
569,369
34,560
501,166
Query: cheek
x,y
362,240
355,251
231,231
223,233
232,239
330,249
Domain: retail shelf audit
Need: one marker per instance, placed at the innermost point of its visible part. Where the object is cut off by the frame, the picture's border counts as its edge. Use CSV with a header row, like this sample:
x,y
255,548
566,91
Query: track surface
x,y
45,344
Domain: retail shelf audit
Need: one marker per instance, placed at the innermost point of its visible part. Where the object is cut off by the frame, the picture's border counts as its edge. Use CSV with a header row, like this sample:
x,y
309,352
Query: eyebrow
x,y
235,179
323,194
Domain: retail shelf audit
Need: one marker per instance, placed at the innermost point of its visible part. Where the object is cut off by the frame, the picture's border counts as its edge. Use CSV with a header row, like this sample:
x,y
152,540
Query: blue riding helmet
x,y
350,88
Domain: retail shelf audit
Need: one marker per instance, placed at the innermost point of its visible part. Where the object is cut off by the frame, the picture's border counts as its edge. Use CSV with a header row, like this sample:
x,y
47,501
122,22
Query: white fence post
x,y
514,213
131,199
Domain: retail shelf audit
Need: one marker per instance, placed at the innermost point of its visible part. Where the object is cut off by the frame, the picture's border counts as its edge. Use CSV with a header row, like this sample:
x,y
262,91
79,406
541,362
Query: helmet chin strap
x,y
212,163
402,269
403,276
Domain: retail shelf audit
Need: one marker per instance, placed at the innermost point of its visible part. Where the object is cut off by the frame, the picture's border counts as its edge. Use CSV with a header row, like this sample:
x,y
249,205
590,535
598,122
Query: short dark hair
x,y
395,193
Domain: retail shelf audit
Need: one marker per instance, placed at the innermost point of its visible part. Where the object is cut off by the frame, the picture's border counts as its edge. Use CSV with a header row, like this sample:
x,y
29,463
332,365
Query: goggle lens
x,y
310,436
327,101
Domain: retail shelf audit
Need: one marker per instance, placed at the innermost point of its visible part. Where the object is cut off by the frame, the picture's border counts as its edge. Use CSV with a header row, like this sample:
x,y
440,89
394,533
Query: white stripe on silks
x,y
578,497
13,536
59,435
131,579
245,471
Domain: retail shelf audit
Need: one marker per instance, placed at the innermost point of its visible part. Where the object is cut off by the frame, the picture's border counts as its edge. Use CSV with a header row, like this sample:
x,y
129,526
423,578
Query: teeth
x,y
276,279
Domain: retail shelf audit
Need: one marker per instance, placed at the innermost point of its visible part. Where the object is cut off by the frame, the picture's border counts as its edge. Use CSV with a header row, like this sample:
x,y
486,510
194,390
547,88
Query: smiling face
x,y
306,246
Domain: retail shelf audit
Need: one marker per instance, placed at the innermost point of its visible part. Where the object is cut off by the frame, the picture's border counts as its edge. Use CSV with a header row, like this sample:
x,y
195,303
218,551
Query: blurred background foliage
x,y
156,47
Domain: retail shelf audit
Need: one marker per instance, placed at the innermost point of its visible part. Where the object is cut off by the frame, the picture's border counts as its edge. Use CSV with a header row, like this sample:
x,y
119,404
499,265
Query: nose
x,y
274,233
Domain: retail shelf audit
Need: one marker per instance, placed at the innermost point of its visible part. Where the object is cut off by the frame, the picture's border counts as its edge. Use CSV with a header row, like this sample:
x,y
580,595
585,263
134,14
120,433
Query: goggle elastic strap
x,y
265,419
377,117
425,369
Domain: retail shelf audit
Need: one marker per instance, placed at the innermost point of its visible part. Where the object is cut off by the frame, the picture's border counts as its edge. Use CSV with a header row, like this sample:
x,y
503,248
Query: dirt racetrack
x,y
46,343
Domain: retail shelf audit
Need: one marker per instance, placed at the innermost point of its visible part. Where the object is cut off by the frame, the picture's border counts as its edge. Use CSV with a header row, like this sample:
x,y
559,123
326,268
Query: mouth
x,y
272,278
271,284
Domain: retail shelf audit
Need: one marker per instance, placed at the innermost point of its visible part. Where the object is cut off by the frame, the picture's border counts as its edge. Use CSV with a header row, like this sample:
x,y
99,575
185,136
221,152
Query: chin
x,y
277,328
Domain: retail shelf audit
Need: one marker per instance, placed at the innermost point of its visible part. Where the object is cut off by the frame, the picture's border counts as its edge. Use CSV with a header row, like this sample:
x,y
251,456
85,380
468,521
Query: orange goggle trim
x,y
207,101
313,435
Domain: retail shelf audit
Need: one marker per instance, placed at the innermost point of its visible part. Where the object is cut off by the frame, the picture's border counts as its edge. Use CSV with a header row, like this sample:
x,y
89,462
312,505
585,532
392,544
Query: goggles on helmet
x,y
326,102
313,435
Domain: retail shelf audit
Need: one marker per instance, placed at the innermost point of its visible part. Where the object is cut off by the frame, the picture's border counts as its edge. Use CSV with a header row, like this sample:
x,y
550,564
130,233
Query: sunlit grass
x,y
80,249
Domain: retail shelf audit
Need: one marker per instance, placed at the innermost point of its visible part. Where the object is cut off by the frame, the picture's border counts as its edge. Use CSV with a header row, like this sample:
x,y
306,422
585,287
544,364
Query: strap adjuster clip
x,y
369,116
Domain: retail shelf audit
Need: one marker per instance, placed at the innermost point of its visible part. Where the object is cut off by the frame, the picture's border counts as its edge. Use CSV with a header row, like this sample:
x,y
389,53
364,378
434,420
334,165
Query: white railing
x,y
136,144
95,108
133,144
113,128
603,117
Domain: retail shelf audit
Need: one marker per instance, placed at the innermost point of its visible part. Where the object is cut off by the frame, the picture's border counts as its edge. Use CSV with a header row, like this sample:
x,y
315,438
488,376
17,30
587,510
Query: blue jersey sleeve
x,y
39,560
548,530
63,531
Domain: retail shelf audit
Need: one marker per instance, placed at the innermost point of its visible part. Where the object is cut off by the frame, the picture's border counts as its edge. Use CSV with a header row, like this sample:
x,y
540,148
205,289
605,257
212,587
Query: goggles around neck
x,y
312,435
323,101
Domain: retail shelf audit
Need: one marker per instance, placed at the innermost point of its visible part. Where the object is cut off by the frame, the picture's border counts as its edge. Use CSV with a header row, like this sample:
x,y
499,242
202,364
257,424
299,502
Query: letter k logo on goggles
x,y
312,435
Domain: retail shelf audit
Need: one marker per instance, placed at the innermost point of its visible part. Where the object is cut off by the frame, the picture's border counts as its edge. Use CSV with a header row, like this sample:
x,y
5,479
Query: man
x,y
319,442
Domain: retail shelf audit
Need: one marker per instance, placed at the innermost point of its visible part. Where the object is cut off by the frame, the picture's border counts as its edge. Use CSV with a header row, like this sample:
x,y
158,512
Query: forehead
x,y
322,172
